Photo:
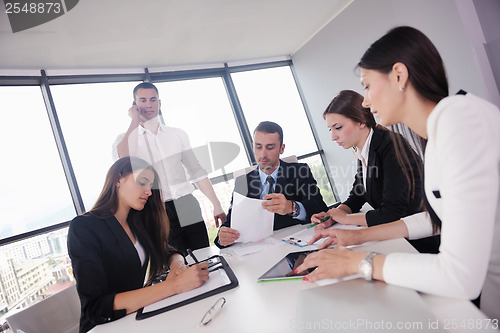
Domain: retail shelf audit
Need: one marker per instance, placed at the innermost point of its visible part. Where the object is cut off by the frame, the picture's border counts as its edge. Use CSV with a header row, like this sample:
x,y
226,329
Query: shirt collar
x,y
161,127
263,175
366,146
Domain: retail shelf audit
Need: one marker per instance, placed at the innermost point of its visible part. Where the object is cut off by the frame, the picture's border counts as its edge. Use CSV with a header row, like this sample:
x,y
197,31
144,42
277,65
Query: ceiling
x,y
108,34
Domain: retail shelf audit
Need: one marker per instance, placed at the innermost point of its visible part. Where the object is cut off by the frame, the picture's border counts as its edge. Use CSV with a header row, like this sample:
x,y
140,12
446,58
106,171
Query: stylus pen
x,y
192,256
322,220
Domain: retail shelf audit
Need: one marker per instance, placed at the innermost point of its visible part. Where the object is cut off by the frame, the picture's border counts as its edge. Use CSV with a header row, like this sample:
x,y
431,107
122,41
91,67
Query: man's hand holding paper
x,y
277,203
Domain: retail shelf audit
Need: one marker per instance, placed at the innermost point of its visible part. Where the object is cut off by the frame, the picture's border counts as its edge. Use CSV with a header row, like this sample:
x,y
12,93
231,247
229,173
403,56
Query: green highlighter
x,y
322,220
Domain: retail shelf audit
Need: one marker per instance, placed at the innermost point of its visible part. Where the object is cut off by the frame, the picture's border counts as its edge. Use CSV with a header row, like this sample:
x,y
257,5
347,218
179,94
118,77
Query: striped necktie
x,y
270,180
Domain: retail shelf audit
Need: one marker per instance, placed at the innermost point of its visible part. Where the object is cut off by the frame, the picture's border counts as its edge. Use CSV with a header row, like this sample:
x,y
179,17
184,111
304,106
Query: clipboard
x,y
300,238
221,279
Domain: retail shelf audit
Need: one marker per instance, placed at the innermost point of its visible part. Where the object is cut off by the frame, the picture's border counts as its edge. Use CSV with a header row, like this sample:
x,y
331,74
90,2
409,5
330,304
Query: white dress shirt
x,y
462,163
363,156
171,154
140,251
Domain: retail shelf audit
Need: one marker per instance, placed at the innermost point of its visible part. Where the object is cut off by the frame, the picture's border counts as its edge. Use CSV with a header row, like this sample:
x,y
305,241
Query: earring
x,y
401,89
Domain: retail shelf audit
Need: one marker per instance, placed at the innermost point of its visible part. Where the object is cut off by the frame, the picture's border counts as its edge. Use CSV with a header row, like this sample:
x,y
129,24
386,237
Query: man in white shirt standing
x,y
169,150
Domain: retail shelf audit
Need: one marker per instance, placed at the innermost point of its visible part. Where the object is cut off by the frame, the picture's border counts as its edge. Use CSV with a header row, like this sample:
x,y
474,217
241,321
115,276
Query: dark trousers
x,y
187,228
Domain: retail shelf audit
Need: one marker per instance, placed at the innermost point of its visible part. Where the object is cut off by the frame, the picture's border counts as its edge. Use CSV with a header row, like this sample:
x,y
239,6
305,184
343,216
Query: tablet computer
x,y
284,269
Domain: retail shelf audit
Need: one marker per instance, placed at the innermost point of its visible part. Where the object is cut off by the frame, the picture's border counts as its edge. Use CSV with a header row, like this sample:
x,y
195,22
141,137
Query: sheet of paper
x,y
217,278
251,220
302,237
242,249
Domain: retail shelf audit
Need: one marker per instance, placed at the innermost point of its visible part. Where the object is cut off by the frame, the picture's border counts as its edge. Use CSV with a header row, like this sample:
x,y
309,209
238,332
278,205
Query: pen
x,y
321,221
192,256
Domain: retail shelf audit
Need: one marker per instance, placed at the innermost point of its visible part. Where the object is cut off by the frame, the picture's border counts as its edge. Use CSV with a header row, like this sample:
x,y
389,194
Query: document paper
x,y
242,249
251,220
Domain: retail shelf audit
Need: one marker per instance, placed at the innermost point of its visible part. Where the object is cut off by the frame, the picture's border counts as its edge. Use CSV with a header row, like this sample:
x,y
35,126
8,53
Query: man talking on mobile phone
x,y
168,149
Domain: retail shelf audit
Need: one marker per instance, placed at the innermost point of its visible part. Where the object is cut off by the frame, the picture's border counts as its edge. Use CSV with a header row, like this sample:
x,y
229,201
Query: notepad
x,y
300,238
217,278
221,279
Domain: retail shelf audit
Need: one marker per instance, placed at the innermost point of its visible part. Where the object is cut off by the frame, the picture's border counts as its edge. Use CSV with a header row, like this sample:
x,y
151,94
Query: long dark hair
x,y
426,73
151,224
348,103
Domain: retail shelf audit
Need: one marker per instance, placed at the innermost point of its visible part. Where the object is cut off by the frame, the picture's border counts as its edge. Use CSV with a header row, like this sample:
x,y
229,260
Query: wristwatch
x,y
366,266
295,209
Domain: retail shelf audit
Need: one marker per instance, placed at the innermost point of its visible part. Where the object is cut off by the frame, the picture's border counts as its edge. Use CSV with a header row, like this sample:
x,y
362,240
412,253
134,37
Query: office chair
x,y
60,313
244,171
290,159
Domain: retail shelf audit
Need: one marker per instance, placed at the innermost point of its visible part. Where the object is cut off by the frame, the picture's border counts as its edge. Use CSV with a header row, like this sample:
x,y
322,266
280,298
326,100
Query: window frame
x,y
223,71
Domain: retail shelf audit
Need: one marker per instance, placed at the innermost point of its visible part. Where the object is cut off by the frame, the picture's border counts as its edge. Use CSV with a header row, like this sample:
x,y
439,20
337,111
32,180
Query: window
x,y
34,192
34,195
319,173
201,107
271,94
91,117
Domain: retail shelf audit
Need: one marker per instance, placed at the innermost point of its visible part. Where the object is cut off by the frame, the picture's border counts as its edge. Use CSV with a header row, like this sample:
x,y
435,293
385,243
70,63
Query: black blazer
x,y
387,190
295,181
105,263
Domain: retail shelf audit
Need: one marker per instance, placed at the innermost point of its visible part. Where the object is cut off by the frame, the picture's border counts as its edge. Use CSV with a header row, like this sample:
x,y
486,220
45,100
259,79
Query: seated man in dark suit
x,y
289,189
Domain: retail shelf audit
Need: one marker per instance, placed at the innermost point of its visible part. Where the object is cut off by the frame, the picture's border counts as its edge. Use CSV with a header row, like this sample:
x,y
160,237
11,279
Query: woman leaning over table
x,y
392,186
392,190
405,82
111,246
391,183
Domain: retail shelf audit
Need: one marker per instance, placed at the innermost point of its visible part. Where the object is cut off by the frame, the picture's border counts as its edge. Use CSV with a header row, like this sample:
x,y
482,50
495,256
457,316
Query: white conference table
x,y
270,306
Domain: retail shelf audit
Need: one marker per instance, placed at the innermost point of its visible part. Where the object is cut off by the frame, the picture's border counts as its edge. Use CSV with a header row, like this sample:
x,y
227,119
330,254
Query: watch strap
x,y
295,209
367,261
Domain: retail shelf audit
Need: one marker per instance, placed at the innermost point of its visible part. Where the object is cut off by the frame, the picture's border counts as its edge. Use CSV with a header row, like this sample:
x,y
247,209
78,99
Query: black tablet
x,y
284,269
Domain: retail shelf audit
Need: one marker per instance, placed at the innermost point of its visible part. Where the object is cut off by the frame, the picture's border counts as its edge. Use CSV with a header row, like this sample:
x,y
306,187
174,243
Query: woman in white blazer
x,y
405,82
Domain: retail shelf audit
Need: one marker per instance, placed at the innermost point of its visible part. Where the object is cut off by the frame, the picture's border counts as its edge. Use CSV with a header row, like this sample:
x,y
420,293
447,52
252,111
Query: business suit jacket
x,y
105,263
386,190
462,185
295,181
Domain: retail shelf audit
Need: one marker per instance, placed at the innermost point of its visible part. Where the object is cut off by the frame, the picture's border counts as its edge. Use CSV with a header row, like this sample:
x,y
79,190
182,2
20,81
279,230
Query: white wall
x,y
481,19
325,65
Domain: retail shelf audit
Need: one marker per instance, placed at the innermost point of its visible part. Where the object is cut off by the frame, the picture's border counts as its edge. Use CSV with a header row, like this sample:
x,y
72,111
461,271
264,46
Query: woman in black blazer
x,y
112,245
393,191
